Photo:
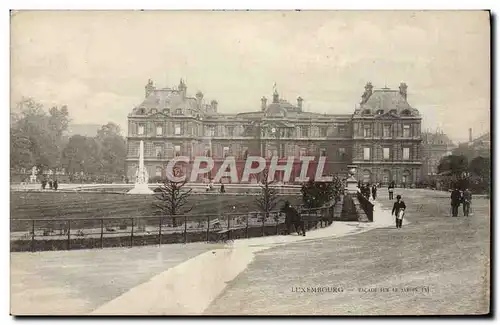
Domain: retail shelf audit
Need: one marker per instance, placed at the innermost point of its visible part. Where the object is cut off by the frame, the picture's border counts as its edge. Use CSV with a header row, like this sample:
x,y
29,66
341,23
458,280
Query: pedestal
x,y
140,189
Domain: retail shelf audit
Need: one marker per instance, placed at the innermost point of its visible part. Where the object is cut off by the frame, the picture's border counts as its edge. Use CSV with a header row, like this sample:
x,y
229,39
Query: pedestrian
x,y
374,192
398,210
44,183
50,183
391,191
456,197
222,188
466,201
55,185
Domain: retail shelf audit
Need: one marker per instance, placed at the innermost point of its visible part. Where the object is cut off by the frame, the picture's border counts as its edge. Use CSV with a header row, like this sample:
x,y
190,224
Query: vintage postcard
x,y
250,163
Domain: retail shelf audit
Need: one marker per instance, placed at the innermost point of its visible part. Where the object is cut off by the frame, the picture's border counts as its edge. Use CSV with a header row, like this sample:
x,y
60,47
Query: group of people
x,y
367,190
52,184
460,197
210,187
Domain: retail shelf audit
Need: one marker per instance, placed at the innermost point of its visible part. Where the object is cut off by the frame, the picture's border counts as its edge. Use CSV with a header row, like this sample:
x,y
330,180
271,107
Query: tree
x,y
268,199
453,165
480,166
171,199
80,155
113,149
37,137
317,194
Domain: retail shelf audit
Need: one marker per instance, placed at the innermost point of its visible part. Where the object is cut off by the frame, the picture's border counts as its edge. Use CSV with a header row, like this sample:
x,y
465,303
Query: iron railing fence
x,y
80,233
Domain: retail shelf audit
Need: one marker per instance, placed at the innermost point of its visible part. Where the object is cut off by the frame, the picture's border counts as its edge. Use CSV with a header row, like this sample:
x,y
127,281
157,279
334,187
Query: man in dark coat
x,y
466,201
455,201
398,211
374,191
55,185
391,191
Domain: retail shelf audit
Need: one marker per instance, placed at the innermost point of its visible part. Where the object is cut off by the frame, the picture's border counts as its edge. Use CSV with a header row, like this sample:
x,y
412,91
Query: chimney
x,y
263,103
149,88
214,105
470,134
182,88
199,98
299,102
403,90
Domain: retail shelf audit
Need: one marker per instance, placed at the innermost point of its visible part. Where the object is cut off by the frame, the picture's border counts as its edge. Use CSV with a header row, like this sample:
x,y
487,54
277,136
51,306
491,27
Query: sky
x,y
98,62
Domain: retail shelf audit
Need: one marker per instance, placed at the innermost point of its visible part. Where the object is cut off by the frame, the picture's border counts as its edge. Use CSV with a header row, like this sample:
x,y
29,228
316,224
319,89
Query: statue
x,y
34,171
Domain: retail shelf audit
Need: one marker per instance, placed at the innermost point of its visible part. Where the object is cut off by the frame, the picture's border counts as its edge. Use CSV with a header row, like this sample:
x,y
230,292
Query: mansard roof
x,y
436,138
384,101
165,98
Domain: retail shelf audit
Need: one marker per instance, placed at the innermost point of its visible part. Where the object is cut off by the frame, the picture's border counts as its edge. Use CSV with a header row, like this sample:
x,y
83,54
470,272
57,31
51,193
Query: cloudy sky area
x,y
98,63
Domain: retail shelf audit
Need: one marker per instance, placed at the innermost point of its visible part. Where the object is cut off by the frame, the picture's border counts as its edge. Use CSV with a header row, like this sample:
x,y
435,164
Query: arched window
x,y
406,112
367,112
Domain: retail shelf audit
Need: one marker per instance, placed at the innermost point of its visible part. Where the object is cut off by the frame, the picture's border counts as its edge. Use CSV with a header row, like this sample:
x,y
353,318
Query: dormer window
x,y
141,111
367,112
380,112
153,111
166,111
393,111
406,113
178,111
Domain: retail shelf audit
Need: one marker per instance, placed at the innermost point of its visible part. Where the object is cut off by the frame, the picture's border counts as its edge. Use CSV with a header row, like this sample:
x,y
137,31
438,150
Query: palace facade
x,y
382,136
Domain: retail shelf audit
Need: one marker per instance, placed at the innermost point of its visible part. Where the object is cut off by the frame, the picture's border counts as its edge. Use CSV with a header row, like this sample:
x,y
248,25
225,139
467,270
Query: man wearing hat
x,y
398,210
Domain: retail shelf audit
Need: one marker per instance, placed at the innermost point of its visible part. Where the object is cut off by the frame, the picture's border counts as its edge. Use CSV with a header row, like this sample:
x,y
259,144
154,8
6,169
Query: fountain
x,y
141,177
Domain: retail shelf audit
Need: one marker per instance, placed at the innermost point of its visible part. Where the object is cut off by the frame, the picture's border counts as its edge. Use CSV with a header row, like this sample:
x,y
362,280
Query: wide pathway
x,y
434,265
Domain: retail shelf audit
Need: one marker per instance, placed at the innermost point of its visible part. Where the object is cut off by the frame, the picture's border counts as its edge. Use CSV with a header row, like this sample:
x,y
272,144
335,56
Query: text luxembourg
x,y
253,165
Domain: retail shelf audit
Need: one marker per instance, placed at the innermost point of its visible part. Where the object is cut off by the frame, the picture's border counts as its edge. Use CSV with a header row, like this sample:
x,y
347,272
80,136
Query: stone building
x,y
435,145
387,137
382,136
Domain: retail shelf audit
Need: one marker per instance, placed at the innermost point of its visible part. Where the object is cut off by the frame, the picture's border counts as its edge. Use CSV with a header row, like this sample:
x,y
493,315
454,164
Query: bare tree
x,y
171,199
268,199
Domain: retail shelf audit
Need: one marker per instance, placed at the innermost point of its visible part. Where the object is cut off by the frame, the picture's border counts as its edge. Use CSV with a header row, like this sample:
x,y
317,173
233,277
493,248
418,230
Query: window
x,y
153,111
225,152
230,130
158,150
341,130
304,131
177,151
178,111
210,131
387,153
302,152
367,131
177,129
341,153
322,152
158,171
406,131
366,153
159,130
323,131
140,129
166,111
380,112
387,131
406,153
